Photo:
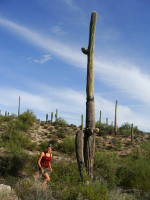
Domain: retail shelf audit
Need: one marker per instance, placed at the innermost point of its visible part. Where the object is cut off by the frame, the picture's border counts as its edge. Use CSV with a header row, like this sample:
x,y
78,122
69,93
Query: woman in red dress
x,y
45,165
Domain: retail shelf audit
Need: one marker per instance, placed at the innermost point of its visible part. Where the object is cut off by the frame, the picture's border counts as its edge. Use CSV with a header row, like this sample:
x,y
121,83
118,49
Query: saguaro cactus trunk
x,y
116,118
19,107
89,137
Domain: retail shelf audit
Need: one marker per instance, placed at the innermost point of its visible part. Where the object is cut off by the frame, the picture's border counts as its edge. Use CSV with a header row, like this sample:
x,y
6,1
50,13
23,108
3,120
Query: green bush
x,y
14,161
67,146
27,118
94,191
61,133
60,121
104,129
106,164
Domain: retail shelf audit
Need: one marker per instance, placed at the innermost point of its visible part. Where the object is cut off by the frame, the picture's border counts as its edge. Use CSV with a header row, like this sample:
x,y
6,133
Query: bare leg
x,y
45,180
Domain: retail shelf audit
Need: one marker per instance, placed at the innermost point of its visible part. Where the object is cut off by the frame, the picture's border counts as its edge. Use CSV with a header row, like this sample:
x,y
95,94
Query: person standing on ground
x,y
45,165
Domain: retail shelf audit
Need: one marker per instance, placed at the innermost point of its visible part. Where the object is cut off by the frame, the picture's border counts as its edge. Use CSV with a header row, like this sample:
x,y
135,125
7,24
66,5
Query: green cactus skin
x,y
116,118
19,107
82,124
51,117
89,136
132,134
56,115
46,117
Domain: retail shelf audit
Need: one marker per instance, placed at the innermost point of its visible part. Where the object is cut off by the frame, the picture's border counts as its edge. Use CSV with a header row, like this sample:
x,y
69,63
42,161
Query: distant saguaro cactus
x,y
116,118
56,115
82,124
5,113
0,112
8,114
107,121
19,107
100,119
132,134
51,117
46,117
89,134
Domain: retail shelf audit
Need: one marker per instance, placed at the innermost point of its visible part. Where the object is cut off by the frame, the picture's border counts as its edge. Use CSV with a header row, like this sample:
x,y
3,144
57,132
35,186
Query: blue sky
x,y
41,58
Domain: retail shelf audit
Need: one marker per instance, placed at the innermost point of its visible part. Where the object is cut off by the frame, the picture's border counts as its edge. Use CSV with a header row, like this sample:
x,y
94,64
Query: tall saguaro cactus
x,y
82,124
116,118
89,134
19,107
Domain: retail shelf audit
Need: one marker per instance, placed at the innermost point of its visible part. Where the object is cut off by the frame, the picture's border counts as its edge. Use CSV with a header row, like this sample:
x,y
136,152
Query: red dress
x,y
45,162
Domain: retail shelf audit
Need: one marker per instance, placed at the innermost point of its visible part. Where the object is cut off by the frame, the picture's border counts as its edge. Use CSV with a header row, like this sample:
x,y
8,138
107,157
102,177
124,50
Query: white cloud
x,y
70,105
58,30
118,74
43,59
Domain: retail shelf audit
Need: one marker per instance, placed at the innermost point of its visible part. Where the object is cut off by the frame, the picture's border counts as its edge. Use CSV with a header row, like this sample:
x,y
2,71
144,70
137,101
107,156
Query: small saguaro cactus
x,y
100,119
46,117
56,115
115,119
107,121
19,107
132,134
0,112
82,124
8,114
5,113
51,117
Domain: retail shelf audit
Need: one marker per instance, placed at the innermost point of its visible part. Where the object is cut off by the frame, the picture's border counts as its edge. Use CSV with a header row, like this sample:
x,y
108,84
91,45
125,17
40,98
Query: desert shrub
x,y
54,142
106,164
43,146
104,129
5,119
60,121
67,146
61,133
117,144
29,189
14,161
27,118
94,191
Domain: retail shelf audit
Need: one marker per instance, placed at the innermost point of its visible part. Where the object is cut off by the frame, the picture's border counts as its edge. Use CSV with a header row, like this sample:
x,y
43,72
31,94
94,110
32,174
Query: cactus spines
x,y
51,117
19,107
46,117
82,124
116,118
56,115
131,133
100,119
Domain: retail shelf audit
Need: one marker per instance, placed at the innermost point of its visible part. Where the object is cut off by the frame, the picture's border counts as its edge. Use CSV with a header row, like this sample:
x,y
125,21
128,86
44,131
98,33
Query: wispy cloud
x,y
58,30
42,59
118,74
70,105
